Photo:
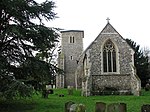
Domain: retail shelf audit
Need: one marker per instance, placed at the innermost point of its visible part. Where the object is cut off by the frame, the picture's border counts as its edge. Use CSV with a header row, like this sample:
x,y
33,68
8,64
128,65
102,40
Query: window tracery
x,y
109,57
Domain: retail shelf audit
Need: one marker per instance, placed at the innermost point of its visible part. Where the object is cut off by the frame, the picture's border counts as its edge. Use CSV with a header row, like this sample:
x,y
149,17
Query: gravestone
x,y
70,90
145,108
48,87
100,107
68,105
73,108
81,108
122,107
147,87
117,107
44,94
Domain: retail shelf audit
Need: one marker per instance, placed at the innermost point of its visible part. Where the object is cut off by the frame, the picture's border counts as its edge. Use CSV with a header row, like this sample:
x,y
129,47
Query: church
x,y
106,66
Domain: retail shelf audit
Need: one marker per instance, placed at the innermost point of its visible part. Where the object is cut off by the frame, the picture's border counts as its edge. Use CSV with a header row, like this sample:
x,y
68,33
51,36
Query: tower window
x,y
109,57
71,39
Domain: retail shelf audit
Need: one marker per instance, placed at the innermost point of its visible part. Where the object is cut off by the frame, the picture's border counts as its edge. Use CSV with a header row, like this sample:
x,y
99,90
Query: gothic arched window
x,y
109,57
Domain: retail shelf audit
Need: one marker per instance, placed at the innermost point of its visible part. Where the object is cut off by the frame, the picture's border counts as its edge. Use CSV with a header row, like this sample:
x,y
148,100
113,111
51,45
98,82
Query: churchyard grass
x,y
54,103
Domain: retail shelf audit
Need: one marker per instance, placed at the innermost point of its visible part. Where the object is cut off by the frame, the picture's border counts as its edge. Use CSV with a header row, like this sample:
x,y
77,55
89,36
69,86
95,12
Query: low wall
x,y
116,82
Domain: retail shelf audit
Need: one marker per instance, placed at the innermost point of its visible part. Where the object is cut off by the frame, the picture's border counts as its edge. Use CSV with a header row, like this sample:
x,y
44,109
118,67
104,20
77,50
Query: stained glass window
x,y
109,57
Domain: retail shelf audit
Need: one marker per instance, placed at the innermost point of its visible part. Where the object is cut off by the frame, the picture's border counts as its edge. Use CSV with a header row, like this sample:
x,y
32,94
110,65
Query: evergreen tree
x,y
22,34
146,52
140,61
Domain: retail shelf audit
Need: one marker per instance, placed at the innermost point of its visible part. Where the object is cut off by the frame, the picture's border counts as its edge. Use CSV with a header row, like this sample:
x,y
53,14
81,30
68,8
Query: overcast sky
x,y
131,18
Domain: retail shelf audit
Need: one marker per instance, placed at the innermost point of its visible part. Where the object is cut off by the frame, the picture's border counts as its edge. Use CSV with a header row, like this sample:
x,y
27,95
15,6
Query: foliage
x,y
22,35
56,104
146,52
140,61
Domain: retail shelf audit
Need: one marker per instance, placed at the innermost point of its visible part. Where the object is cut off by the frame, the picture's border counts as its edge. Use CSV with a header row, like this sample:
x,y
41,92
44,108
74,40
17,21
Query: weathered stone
x,y
71,49
70,90
77,108
117,107
147,87
122,107
73,108
81,108
68,105
100,107
145,108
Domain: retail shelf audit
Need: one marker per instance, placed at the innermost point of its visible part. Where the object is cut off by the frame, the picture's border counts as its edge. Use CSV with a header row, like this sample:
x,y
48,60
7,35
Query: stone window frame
x,y
117,58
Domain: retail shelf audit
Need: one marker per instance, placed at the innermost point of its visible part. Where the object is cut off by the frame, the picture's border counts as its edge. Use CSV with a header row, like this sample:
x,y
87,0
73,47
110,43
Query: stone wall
x,y
71,52
121,82
60,77
120,79
124,54
135,82
100,83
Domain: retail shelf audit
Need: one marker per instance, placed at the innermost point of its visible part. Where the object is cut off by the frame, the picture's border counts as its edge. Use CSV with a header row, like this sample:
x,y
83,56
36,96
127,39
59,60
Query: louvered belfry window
x,y
72,39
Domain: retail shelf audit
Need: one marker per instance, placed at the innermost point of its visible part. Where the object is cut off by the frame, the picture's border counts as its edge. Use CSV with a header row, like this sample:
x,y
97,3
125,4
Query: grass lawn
x,y
54,103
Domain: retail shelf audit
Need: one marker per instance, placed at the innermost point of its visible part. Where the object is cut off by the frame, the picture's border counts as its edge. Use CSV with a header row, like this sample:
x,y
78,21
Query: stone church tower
x,y
71,49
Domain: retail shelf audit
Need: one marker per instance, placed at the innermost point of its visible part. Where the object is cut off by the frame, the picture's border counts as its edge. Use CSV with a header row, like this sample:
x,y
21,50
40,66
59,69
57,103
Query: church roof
x,y
108,29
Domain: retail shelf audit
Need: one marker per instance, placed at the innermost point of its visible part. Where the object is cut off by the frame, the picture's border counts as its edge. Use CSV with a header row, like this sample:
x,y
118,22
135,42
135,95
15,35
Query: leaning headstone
x,y
67,106
100,107
145,108
117,107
